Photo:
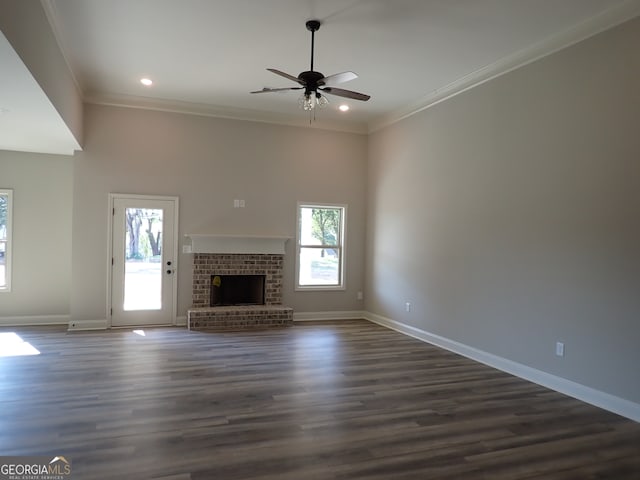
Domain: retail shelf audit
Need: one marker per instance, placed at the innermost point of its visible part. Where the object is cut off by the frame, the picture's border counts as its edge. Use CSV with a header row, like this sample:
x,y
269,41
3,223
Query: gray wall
x,y
41,259
208,163
509,215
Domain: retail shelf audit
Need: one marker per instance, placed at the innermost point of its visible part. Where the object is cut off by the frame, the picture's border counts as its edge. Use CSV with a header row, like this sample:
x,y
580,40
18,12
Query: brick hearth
x,y
240,317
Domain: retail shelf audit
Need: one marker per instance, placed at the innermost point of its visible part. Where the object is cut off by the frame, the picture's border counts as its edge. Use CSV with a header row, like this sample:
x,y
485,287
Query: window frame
x,y
340,246
8,241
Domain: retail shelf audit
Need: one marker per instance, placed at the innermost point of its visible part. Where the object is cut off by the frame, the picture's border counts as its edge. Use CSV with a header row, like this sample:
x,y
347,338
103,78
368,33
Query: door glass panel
x,y
143,259
3,261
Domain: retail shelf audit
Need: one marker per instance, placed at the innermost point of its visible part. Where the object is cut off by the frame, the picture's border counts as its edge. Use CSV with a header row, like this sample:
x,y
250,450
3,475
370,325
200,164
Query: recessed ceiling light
x,y
146,82
343,108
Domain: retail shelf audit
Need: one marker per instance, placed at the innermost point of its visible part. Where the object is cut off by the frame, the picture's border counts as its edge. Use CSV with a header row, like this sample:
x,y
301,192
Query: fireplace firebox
x,y
237,290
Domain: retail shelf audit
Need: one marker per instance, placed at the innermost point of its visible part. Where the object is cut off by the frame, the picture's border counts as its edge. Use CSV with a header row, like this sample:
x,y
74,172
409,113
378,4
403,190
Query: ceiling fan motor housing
x,y
311,80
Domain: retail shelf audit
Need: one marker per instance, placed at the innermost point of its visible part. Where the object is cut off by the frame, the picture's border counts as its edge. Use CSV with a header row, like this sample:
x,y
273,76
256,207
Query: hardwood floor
x,y
344,400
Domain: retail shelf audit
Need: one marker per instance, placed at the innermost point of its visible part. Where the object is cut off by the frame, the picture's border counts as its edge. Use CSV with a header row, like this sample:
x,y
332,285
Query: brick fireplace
x,y
206,266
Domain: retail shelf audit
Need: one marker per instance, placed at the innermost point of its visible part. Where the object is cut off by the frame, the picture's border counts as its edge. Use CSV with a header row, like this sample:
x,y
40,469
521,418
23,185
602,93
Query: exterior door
x,y
143,264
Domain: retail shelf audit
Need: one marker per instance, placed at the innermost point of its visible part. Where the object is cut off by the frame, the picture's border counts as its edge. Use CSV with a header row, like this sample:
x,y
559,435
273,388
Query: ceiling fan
x,y
315,83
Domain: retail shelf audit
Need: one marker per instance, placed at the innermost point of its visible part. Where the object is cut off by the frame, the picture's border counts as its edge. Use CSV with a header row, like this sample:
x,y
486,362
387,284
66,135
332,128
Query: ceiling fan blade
x,y
285,75
339,78
267,90
340,92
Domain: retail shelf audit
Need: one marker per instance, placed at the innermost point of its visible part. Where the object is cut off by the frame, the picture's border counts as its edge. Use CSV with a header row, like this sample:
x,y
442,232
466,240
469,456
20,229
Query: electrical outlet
x,y
560,349
359,296
407,306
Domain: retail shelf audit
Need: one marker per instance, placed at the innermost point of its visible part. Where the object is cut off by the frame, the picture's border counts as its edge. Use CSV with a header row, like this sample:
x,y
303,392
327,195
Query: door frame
x,y
110,253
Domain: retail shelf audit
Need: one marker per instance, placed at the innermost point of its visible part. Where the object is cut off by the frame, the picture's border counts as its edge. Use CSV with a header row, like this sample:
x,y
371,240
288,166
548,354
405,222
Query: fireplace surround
x,y
206,266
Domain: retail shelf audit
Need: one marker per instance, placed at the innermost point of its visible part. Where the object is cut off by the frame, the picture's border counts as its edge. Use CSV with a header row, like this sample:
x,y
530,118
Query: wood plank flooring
x,y
342,400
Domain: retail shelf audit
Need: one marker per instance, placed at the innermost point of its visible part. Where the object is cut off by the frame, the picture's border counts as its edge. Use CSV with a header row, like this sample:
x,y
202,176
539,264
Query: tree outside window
x,y
5,239
144,236
320,246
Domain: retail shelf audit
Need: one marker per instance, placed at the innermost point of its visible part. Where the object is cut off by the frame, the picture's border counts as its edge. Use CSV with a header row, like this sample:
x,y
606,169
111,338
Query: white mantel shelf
x,y
251,244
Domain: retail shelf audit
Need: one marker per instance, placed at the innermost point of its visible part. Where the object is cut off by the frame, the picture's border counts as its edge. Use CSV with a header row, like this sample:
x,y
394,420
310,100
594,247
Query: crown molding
x,y
588,28
217,111
52,17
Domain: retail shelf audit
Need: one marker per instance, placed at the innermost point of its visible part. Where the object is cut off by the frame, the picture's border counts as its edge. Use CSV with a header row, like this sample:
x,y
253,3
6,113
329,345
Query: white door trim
x,y
174,280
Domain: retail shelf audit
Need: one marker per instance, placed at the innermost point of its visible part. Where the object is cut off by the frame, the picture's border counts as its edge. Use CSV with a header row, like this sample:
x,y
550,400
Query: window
x,y
5,240
320,247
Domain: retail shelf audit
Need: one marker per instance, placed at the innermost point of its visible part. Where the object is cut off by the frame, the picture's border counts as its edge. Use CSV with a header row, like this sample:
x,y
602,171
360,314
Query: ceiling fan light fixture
x,y
307,102
321,100
312,100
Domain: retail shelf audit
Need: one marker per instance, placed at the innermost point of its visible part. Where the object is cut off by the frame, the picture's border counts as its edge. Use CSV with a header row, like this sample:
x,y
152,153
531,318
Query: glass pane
x,y
3,261
4,204
319,266
143,259
320,226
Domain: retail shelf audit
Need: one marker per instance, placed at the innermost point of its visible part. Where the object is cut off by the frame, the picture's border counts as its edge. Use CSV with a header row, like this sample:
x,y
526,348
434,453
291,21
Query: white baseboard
x,y
600,399
32,320
103,324
87,325
339,315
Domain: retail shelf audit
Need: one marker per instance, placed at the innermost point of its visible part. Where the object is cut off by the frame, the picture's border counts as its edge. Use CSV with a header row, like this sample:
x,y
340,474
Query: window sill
x,y
320,288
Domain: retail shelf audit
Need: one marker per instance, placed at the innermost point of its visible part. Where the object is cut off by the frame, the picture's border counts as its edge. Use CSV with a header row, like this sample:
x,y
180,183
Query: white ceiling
x,y
205,56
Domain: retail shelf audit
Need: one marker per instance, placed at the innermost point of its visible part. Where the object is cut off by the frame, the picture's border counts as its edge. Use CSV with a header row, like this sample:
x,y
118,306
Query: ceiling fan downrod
x,y
313,26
